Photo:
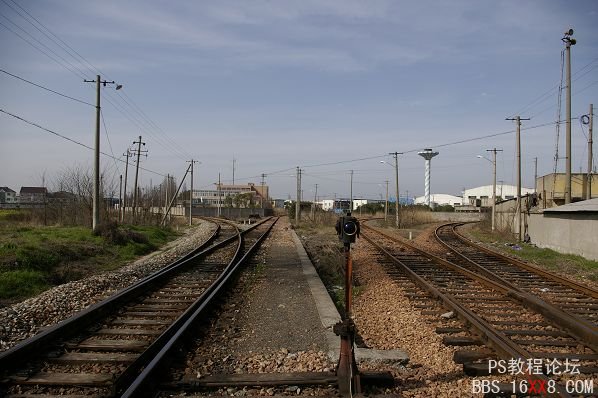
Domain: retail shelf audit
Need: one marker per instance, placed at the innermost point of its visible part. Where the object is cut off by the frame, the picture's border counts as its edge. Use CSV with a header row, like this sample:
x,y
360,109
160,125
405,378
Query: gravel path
x,y
268,324
25,319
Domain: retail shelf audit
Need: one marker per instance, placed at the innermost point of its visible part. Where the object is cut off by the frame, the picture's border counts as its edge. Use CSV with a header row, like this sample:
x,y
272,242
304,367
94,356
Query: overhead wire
x,y
46,88
72,140
162,139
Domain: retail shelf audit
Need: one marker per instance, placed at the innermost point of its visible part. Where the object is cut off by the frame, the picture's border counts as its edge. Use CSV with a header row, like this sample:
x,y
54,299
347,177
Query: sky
x,y
329,86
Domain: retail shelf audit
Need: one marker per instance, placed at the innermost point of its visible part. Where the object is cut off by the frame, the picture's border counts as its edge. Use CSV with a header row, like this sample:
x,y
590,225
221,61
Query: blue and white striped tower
x,y
427,154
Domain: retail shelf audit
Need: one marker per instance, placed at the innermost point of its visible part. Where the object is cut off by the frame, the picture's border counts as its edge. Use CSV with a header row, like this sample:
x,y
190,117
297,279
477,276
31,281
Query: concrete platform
x,y
329,316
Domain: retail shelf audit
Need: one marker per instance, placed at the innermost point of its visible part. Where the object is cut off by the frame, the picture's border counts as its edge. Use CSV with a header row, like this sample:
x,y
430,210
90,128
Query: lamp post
x,y
493,183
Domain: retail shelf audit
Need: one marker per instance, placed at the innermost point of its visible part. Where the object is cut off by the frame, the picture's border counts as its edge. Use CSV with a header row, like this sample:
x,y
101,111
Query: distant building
x,y
8,197
277,203
336,205
32,196
211,197
440,199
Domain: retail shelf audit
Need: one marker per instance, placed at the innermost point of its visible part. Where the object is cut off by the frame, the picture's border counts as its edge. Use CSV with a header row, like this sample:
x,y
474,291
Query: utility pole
x,y
386,203
396,155
535,173
138,150
175,195
96,162
568,43
351,191
167,189
127,154
191,193
494,186
262,192
518,120
120,197
590,154
313,215
234,160
219,197
298,202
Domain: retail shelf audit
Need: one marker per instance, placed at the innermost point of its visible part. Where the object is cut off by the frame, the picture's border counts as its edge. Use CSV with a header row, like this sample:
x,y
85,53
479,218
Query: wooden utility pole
x,y
219,196
313,214
386,203
262,192
494,150
138,150
126,154
396,155
234,160
535,173
96,163
518,120
191,193
120,197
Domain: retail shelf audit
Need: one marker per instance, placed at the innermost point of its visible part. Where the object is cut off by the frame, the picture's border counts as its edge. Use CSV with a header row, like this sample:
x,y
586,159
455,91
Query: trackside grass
x,y
571,265
35,258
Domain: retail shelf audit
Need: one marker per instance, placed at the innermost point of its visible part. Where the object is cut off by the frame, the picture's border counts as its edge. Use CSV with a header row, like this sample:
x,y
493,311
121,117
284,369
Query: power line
x,y
91,67
108,139
159,136
71,140
45,88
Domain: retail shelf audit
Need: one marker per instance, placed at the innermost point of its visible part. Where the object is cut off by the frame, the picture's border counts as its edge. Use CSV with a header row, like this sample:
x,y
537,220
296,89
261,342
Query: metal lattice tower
x,y
427,154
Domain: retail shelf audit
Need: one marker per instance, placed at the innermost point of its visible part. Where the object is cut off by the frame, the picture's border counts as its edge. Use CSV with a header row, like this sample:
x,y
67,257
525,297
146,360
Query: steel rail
x,y
579,328
543,275
68,327
527,266
145,382
492,337
86,317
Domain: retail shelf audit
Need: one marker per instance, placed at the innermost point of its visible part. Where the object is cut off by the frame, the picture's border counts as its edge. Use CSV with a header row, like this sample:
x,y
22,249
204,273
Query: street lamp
x,y
493,183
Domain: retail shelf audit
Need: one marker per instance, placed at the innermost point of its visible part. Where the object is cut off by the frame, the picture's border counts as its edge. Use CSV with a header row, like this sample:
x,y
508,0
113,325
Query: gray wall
x,y
574,233
456,217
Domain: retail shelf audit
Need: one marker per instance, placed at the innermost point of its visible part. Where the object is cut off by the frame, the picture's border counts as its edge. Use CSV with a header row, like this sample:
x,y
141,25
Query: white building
x,y
484,194
440,199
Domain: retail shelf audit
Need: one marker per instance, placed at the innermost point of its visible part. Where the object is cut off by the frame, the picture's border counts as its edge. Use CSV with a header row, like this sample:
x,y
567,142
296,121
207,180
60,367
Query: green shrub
x,y
21,283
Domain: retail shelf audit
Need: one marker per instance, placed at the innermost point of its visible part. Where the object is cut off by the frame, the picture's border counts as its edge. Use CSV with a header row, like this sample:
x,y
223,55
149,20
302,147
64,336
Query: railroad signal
x,y
347,229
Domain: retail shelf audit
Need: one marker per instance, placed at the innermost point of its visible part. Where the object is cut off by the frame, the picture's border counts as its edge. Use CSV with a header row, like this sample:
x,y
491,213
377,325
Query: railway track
x,y
513,325
115,347
575,298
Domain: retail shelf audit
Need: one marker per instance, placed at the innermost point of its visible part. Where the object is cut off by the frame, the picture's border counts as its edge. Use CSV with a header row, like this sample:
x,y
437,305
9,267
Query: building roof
x,y
6,189
590,205
33,190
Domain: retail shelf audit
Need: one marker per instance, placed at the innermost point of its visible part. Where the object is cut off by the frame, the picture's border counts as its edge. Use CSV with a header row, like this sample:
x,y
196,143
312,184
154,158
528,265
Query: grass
x,y
34,258
569,264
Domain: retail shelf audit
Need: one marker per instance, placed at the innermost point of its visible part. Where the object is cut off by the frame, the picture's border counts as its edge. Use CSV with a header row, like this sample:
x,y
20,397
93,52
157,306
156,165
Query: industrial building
x,y
482,196
440,199
213,197
551,189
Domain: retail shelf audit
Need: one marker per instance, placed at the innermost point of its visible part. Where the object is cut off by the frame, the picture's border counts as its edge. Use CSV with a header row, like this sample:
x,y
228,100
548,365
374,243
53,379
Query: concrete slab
x,y
329,316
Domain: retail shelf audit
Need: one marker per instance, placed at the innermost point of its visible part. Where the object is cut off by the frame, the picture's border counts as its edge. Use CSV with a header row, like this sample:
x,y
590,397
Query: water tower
x,y
427,154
